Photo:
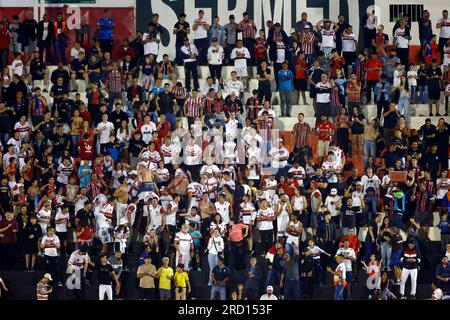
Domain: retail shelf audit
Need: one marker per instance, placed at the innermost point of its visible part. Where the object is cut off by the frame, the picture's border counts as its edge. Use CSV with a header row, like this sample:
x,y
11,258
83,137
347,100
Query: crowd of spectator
x,y
117,163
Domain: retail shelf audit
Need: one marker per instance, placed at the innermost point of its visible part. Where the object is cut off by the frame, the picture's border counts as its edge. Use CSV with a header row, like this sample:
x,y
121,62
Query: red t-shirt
x,y
86,149
8,236
289,191
300,69
325,130
373,63
87,233
336,64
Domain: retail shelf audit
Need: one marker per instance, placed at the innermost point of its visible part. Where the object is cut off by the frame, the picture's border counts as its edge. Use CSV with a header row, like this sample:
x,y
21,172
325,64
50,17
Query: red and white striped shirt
x,y
308,43
193,106
248,29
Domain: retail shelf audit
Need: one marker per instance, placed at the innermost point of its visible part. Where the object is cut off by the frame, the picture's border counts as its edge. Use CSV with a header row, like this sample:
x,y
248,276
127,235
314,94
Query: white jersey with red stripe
x,y
184,240
224,210
248,213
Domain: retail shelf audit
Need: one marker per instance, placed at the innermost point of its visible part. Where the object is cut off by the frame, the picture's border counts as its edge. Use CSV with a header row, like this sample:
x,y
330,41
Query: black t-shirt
x,y
4,194
47,129
374,225
30,28
136,147
166,102
434,84
84,217
349,216
181,35
390,158
422,77
60,143
356,127
264,83
390,121
58,90
104,274
77,65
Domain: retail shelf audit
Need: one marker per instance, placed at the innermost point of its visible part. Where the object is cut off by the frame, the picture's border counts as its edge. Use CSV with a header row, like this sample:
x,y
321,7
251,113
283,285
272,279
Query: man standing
x,y
248,28
444,25
180,30
220,276
189,53
8,242
5,39
411,259
231,30
323,97
339,278
402,36
425,27
106,27
105,273
302,132
285,77
60,39
290,277
183,243
325,131
165,276
43,289
201,28
50,245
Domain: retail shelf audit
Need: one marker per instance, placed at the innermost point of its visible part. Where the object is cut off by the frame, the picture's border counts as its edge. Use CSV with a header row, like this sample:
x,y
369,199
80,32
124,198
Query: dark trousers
x,y
202,47
146,294
190,68
318,272
178,60
59,49
403,55
342,134
349,58
292,289
370,85
3,58
47,47
106,45
228,50
382,105
276,68
264,94
7,256
249,43
215,70
237,250
266,239
51,266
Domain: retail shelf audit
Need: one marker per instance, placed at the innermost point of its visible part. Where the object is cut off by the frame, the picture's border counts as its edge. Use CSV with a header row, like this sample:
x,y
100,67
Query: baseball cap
x,y
359,183
269,288
214,40
48,276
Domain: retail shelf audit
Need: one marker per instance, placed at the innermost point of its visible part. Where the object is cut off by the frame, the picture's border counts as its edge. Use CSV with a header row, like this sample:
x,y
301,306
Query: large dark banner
x,y
287,12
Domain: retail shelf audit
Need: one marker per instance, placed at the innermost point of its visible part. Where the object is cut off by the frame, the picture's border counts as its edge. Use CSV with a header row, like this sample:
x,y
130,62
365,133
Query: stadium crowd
x,y
152,175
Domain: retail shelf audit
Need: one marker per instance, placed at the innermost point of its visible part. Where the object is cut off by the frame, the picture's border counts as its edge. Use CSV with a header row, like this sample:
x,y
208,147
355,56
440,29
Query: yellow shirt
x,y
164,278
180,279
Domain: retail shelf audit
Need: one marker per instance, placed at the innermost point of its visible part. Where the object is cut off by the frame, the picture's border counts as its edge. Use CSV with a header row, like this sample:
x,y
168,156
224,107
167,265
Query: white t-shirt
x,y
223,210
147,130
201,31
276,154
17,66
61,227
192,155
328,38
348,42
402,42
74,52
412,81
267,297
184,240
442,191
331,203
46,216
234,86
347,262
151,47
340,268
51,244
215,245
105,130
267,213
78,260
445,29
240,62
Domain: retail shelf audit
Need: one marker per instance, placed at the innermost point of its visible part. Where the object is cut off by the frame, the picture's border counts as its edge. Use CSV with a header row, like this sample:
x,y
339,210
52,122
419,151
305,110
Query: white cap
x,y
269,288
48,276
333,191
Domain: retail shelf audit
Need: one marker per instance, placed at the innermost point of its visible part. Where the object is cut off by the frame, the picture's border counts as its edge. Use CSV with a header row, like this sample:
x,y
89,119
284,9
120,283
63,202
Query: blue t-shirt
x,y
196,241
285,78
106,29
445,227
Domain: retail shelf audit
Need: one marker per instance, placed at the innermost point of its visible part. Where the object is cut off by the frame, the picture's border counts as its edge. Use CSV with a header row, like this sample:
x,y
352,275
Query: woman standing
x,y
215,250
353,92
342,123
357,126
404,96
123,137
370,139
384,239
